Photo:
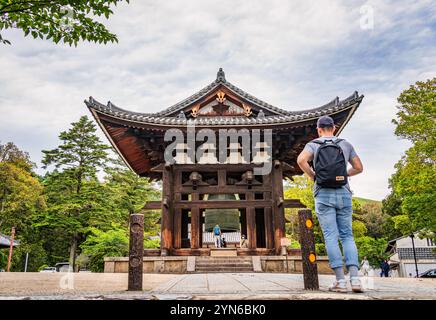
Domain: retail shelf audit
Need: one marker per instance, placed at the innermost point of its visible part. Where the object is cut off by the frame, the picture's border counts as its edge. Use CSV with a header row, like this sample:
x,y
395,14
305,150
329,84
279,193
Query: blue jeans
x,y
334,211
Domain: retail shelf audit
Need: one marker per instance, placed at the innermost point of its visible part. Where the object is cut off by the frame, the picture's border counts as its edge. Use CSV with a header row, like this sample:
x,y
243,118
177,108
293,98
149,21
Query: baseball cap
x,y
325,121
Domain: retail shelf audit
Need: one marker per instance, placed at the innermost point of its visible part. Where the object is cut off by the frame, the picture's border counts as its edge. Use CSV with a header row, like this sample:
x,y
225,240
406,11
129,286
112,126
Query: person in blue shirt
x,y
217,236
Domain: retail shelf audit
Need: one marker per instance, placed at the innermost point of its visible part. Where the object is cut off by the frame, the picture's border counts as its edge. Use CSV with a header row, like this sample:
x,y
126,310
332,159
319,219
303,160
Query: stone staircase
x,y
223,264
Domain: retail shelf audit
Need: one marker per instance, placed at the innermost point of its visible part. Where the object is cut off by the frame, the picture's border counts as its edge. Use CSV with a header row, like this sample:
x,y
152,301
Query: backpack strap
x,y
315,156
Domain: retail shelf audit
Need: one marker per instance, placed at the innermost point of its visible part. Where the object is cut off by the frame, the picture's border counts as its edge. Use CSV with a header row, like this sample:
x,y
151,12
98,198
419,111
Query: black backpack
x,y
330,165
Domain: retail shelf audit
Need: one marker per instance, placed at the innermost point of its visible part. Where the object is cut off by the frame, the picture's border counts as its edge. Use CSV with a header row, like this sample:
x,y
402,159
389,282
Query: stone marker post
x,y
308,255
136,251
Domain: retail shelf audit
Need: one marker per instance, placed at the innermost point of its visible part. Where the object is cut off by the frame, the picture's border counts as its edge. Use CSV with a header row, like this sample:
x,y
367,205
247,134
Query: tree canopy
x,y
413,185
69,21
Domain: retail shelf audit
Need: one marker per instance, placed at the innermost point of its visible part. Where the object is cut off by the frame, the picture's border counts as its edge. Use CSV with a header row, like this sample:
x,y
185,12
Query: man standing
x,y
217,236
332,193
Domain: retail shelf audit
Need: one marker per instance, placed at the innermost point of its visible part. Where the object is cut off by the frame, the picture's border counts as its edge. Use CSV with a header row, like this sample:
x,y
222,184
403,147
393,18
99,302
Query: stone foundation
x,y
179,264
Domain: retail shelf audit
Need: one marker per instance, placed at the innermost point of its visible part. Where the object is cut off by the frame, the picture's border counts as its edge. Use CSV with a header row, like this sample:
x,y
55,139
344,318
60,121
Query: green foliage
x,y
403,224
301,187
20,190
373,249
21,198
359,229
69,213
100,244
73,194
151,243
320,249
374,219
69,21
364,201
413,185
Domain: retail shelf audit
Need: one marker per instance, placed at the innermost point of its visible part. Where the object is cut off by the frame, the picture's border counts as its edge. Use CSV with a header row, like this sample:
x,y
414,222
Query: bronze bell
x,y
227,219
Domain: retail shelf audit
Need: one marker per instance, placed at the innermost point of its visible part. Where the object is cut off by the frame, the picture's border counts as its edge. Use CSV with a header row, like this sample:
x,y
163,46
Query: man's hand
x,y
303,162
356,166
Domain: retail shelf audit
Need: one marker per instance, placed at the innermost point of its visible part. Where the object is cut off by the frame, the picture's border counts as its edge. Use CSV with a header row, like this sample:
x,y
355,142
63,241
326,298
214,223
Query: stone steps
x,y
223,264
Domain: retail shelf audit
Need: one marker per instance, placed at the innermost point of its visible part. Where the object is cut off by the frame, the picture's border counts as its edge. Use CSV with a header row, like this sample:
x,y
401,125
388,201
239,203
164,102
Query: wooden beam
x,y
222,204
308,255
293,203
153,205
136,252
214,189
216,167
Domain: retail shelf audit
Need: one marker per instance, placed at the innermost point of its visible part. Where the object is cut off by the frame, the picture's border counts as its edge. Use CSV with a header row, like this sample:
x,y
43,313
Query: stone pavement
x,y
240,286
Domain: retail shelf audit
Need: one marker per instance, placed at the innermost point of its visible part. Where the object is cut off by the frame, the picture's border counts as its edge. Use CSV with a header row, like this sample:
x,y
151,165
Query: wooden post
x,y
308,255
269,231
11,248
167,211
277,205
251,223
136,251
243,222
177,235
195,223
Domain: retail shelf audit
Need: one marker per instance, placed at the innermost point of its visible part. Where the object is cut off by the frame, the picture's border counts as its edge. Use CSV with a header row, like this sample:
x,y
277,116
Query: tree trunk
x,y
73,248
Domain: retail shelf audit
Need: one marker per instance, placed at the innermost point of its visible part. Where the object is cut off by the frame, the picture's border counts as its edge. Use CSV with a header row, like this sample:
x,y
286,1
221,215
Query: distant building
x,y
5,241
402,261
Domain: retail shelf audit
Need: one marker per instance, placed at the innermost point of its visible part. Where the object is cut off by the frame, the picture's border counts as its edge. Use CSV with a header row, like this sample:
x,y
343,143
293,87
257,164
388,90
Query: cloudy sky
x,y
292,54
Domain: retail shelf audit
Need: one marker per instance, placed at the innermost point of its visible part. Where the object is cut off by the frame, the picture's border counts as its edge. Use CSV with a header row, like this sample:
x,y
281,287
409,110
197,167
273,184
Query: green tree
x,y
21,198
374,219
100,244
72,192
413,185
127,194
68,20
373,249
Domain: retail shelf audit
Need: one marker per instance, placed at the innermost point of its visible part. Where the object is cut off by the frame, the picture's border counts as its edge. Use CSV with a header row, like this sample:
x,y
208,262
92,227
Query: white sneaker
x,y
356,285
339,286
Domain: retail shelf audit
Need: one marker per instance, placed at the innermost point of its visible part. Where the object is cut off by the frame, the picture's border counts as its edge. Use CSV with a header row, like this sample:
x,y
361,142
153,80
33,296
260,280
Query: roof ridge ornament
x,y
221,76
261,114
181,115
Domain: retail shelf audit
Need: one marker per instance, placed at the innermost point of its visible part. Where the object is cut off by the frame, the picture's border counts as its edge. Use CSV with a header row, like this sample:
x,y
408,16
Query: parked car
x,y
48,269
428,274
62,266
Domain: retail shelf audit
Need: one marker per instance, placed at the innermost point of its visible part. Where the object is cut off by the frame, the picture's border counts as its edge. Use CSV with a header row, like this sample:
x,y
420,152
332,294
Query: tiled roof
x,y
5,241
421,253
167,118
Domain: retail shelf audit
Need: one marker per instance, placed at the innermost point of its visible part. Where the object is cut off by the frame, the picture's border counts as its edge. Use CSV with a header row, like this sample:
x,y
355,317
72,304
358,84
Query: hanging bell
x,y
227,219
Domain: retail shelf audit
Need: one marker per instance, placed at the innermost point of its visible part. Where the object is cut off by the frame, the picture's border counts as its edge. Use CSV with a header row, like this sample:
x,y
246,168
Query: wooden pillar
x,y
136,252
307,241
269,231
167,211
277,204
177,223
200,229
195,223
243,222
251,223
177,228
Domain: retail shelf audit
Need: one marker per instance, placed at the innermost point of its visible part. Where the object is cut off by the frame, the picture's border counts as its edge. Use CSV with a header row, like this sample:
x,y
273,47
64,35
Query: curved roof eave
x,y
333,107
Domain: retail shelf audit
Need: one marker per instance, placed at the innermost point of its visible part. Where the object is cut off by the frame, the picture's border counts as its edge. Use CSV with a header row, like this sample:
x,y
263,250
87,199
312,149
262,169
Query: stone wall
x,y
150,264
178,264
